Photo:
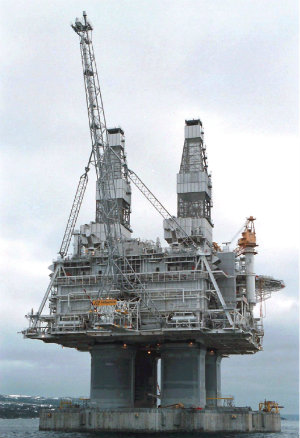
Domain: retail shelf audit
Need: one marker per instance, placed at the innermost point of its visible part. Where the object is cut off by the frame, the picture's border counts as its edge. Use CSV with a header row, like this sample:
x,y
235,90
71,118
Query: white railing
x,y
152,277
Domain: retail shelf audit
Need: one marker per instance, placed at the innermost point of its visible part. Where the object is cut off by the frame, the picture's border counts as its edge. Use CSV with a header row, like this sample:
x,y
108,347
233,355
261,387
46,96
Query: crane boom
x,y
67,235
159,207
74,213
148,194
35,317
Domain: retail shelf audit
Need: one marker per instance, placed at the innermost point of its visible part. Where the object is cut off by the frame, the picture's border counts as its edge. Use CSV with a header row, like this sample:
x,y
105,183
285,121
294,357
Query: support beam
x,y
220,296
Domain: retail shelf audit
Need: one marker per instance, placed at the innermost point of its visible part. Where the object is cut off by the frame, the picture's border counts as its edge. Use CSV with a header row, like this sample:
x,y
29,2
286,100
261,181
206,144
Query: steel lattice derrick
x,y
193,157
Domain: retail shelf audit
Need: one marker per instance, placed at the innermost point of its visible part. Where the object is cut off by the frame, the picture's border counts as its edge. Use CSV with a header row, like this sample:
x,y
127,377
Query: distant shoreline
x,y
14,407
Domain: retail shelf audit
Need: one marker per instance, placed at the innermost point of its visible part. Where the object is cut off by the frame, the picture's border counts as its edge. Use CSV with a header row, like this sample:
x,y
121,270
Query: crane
x,y
234,237
100,158
102,153
83,180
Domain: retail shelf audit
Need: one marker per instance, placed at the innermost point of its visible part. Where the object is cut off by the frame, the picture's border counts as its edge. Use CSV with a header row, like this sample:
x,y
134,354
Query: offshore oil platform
x,y
132,303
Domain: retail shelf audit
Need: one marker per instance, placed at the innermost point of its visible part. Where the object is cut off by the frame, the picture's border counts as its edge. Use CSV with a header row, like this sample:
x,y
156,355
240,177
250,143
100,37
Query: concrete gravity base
x,y
159,420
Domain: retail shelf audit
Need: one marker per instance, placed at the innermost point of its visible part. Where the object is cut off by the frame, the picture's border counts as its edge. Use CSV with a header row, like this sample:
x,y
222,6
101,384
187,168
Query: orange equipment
x,y
216,247
248,238
269,406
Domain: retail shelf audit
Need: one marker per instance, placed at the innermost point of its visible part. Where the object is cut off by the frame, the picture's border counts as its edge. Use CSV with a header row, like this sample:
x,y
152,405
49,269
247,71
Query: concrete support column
x,y
183,374
112,376
145,379
213,378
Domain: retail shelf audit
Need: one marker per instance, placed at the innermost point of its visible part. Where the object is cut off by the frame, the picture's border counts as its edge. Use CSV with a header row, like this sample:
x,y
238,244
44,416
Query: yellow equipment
x,y
65,404
269,406
227,401
105,302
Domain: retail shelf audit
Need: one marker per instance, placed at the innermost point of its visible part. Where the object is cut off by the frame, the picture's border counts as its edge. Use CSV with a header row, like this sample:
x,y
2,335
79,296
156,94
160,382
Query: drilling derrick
x,y
193,181
193,189
131,303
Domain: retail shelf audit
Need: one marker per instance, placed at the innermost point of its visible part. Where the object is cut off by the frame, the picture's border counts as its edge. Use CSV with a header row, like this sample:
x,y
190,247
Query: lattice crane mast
x,y
100,149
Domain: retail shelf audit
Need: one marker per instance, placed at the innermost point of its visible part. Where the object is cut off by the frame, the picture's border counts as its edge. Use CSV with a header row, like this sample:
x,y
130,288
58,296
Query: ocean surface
x,y
29,428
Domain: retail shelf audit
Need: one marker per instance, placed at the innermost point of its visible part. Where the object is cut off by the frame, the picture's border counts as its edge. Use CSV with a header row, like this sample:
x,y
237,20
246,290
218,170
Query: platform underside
x,y
160,420
225,341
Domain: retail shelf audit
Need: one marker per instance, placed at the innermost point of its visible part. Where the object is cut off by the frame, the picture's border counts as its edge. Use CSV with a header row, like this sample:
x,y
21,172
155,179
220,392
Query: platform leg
x,y
145,379
183,375
213,379
112,376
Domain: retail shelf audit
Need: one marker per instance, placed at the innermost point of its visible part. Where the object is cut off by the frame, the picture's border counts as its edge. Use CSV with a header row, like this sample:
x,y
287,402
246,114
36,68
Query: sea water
x,y
29,428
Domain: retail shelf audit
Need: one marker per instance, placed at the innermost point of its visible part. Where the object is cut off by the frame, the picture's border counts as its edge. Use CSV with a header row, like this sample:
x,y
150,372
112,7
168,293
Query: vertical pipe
x,y
250,275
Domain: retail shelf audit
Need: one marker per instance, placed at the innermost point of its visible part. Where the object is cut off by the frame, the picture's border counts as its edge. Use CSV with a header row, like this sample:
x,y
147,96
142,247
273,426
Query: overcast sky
x,y
233,64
